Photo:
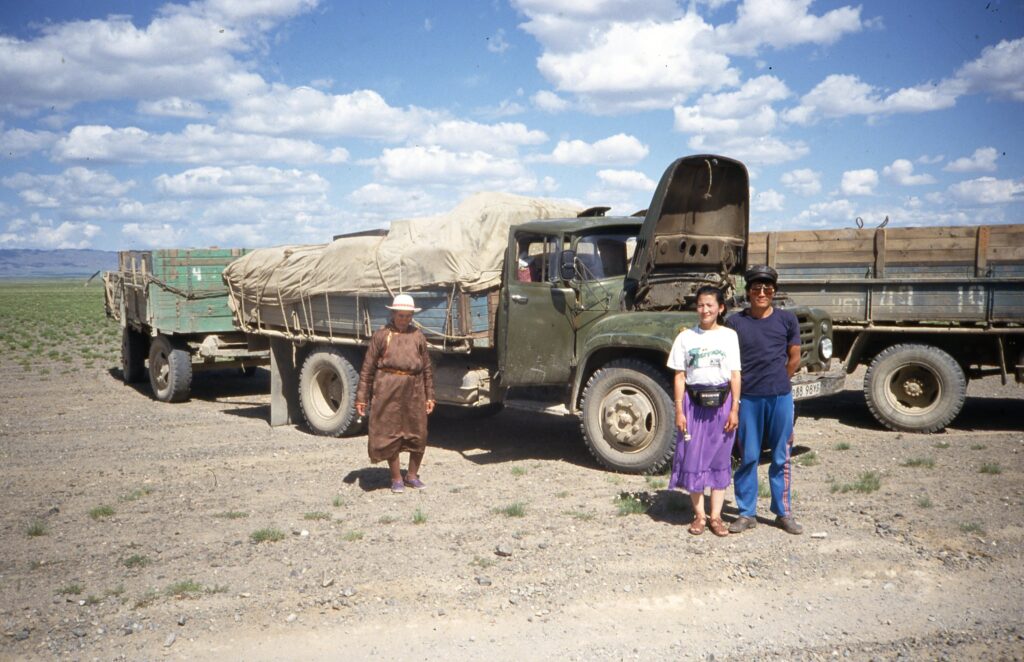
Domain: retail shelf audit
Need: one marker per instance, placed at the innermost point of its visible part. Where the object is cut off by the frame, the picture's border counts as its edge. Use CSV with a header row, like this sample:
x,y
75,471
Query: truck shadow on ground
x,y
512,436
215,385
980,413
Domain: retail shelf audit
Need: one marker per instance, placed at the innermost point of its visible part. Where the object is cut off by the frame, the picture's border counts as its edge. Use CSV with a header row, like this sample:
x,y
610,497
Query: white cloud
x,y
784,23
902,172
434,164
803,181
198,143
39,232
153,235
210,181
759,150
840,95
503,138
304,110
74,186
549,102
927,159
380,203
187,51
983,159
641,65
19,142
617,149
497,42
989,190
769,200
626,179
859,182
999,70
173,107
831,213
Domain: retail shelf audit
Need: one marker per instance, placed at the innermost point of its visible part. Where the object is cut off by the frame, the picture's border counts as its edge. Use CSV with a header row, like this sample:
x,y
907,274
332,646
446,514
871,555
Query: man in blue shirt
x,y
769,356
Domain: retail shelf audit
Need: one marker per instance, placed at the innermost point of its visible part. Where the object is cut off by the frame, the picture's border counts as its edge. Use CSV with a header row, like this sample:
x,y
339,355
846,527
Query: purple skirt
x,y
706,460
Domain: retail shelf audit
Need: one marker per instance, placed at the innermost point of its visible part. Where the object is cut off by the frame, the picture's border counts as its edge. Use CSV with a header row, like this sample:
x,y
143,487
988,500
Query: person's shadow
x,y
369,478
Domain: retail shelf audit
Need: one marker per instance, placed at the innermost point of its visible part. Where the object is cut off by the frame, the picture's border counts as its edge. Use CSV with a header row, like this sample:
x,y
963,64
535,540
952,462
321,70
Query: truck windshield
x,y
605,255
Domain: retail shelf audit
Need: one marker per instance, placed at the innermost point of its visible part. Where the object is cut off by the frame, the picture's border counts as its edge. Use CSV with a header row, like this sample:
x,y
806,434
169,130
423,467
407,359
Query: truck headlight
x,y
825,327
826,348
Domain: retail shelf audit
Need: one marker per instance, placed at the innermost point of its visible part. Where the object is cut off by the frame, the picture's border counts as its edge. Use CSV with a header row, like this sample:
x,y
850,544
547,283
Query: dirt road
x,y
129,526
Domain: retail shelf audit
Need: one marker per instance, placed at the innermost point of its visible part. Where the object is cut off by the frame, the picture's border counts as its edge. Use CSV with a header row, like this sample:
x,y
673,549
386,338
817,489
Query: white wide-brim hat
x,y
404,303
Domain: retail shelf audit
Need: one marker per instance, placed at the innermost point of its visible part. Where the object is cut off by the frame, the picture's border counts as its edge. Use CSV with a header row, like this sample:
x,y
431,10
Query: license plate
x,y
808,390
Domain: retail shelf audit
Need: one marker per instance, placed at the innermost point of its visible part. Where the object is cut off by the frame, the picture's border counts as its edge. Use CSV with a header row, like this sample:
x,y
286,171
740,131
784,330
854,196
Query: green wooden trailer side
x,y
172,305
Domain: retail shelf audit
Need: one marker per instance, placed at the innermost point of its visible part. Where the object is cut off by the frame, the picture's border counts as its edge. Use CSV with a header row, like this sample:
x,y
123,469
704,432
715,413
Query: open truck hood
x,y
694,232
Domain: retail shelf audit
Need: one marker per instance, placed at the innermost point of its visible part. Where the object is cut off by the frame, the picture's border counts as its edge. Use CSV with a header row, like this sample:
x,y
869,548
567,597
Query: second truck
x,y
572,312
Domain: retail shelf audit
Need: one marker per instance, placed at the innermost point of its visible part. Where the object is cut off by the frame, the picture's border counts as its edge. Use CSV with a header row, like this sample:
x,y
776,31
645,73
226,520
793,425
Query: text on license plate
x,y
808,390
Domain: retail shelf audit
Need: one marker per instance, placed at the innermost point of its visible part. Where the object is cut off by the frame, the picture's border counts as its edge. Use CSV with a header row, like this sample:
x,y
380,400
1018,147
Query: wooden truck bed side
x,y
175,291
954,275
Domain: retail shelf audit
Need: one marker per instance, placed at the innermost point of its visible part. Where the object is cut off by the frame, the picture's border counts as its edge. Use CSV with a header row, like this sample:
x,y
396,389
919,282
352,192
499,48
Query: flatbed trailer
x,y
172,306
924,308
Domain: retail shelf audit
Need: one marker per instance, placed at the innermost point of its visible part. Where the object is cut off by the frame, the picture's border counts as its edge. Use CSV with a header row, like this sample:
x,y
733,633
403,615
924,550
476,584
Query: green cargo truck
x,y
172,305
574,313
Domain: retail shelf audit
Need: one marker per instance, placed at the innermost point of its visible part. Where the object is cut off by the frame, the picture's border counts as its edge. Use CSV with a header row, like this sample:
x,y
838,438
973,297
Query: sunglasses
x,y
766,289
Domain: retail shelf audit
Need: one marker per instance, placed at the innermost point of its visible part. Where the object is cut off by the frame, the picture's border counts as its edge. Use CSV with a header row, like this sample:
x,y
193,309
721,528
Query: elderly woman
x,y
397,381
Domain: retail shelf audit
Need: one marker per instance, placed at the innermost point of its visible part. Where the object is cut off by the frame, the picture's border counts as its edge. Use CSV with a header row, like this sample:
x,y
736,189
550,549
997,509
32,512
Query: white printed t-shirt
x,y
708,357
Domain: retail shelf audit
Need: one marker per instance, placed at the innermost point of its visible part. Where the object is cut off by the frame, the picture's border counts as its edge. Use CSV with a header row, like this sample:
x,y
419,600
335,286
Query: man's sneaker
x,y
415,483
789,525
397,487
742,523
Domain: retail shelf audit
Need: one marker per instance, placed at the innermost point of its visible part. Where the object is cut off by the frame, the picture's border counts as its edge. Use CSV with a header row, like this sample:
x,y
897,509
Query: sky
x,y
130,124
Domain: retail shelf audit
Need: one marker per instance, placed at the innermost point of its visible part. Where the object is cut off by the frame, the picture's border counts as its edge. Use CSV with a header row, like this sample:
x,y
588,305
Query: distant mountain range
x,y
59,263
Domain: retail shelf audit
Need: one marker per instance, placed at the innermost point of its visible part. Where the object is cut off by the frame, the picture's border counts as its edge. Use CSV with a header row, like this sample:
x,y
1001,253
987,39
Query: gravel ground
x,y
129,527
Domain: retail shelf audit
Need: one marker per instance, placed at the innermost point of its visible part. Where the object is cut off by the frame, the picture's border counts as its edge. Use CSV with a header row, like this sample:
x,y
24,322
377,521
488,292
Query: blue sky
x,y
264,122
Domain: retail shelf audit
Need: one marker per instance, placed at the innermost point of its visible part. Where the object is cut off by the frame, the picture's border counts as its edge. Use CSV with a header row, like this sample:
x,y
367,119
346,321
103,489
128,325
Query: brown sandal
x,y
718,527
697,525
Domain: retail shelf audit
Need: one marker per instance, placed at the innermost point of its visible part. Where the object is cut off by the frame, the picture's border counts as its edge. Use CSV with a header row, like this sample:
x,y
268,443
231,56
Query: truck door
x,y
538,336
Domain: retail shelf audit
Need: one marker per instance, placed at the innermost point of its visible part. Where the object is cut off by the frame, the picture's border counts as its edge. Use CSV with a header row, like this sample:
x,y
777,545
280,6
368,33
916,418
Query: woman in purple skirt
x,y
706,359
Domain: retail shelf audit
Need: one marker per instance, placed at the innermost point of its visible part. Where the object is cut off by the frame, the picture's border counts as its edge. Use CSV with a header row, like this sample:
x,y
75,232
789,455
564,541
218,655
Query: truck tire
x,y
170,371
914,388
327,393
133,355
628,418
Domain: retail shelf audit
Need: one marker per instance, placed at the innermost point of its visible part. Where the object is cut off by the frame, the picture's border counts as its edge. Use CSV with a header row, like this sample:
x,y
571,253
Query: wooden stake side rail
x,y
956,275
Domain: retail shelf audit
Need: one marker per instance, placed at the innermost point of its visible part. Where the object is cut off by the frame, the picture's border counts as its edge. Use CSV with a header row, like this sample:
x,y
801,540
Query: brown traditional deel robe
x,y
396,381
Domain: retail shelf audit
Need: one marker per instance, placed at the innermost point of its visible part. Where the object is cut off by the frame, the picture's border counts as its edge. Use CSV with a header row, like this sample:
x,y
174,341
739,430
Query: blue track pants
x,y
765,422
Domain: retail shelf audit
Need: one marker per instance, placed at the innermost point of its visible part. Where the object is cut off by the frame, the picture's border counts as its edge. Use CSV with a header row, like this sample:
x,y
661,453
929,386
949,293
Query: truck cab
x,y
590,308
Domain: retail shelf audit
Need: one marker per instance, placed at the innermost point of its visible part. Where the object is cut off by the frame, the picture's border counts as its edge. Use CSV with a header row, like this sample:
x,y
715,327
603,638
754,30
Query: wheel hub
x,y
914,388
625,419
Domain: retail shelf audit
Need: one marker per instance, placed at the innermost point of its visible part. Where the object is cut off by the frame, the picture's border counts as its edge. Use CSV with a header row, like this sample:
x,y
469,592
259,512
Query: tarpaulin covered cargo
x,y
464,247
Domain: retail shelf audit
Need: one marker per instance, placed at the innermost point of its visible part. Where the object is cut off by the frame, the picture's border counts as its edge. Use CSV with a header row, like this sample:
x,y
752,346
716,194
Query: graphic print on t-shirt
x,y
704,357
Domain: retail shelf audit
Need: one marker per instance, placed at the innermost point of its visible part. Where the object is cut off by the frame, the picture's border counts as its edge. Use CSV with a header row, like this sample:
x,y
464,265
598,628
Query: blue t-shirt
x,y
764,350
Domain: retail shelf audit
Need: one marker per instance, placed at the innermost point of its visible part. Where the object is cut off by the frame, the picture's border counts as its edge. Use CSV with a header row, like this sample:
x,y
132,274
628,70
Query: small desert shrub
x,y
921,462
35,529
419,517
807,459
70,589
184,588
972,527
656,482
869,481
842,446
266,535
136,561
518,471
353,536
517,509
231,514
99,512
629,504
316,515
137,494
991,468
924,502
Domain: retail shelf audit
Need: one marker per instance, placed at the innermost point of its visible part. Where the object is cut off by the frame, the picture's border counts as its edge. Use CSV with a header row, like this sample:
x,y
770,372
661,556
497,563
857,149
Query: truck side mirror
x,y
567,265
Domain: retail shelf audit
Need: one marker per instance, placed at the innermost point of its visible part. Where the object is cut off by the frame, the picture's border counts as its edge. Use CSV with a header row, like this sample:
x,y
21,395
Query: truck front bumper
x,y
816,384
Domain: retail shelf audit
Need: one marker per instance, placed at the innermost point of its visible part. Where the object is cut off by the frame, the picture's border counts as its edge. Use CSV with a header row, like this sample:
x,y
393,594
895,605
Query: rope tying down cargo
x,y
191,296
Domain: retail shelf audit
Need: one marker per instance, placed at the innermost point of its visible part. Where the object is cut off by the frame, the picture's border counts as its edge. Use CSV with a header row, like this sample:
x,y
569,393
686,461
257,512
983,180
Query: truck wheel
x,y
133,356
170,371
914,388
628,419
327,393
